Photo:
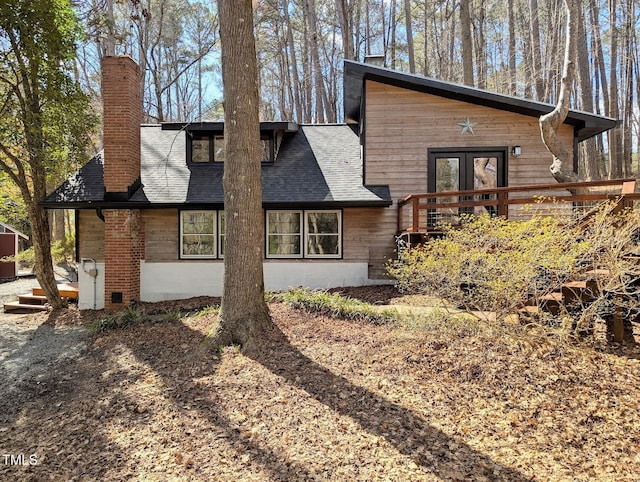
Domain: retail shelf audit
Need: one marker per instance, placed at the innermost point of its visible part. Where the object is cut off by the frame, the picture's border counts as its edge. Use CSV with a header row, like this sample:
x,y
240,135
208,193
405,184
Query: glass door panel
x,y
463,170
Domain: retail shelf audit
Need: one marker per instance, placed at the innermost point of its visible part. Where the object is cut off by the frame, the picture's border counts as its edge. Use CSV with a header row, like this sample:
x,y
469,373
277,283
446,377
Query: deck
x,y
424,213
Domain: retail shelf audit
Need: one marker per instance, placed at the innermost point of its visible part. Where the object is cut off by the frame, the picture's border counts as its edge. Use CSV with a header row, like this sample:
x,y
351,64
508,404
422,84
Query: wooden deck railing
x,y
570,200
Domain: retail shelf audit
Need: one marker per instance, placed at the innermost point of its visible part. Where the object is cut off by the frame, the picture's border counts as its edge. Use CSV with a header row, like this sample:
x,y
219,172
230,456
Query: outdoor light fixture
x,y
516,151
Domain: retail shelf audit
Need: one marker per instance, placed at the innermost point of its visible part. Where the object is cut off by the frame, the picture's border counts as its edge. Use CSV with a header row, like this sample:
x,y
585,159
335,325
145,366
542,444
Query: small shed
x,y
12,242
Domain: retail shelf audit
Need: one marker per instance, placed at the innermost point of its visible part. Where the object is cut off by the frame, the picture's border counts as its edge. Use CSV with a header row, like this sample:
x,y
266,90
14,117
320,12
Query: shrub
x,y
493,267
490,264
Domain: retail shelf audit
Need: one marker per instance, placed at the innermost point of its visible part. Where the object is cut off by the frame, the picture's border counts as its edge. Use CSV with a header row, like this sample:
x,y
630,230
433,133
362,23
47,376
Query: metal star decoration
x,y
467,126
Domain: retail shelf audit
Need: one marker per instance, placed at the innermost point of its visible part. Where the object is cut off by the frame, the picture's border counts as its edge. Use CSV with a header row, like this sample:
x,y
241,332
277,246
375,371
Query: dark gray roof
x,y
586,125
316,166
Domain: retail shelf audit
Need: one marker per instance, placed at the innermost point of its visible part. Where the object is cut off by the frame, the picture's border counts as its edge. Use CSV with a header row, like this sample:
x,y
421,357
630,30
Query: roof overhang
x,y
382,203
207,126
585,125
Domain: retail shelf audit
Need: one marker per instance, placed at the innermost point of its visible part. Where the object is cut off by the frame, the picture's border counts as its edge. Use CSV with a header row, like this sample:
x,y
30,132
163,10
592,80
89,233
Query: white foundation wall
x,y
174,281
171,281
90,296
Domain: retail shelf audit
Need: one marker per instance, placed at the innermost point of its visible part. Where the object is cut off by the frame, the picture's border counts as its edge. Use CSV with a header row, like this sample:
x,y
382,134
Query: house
x,y
12,242
150,213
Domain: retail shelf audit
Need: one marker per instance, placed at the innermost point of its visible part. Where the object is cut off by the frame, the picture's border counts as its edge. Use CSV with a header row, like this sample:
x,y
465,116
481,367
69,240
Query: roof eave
x,y
585,124
382,203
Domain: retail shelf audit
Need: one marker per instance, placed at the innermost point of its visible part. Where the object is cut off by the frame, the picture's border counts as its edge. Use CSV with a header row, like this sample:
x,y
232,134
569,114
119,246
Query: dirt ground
x,y
324,399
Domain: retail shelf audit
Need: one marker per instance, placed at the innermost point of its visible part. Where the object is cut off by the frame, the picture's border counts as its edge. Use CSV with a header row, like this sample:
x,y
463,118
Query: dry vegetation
x,y
327,399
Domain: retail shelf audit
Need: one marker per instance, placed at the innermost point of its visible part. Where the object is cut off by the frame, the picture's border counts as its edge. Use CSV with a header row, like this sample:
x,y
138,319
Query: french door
x,y
462,170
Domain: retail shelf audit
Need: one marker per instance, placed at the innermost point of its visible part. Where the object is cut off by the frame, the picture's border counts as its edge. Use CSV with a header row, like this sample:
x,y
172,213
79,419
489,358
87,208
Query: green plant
x,y
128,317
335,305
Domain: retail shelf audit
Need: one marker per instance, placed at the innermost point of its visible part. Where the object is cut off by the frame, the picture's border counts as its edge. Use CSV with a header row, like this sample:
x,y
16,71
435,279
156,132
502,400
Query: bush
x,y
490,264
492,267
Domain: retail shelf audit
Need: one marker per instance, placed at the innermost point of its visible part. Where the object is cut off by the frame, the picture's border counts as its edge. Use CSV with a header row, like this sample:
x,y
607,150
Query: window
x,y
312,234
323,230
209,147
221,234
198,234
284,234
218,149
200,148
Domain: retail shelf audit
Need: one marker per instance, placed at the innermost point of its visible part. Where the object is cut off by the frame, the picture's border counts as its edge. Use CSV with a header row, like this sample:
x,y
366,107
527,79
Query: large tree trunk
x,y
244,312
562,165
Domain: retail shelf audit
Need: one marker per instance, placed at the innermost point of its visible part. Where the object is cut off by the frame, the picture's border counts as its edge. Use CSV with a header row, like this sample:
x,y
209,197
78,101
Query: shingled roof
x,y
316,166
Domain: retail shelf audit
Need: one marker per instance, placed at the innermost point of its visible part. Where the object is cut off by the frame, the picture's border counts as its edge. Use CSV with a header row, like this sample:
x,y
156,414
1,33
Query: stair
x,y
576,294
37,301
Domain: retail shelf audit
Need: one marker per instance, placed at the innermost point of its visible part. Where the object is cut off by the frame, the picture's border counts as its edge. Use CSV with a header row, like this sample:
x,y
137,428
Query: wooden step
x,y
579,292
551,302
15,306
32,299
67,290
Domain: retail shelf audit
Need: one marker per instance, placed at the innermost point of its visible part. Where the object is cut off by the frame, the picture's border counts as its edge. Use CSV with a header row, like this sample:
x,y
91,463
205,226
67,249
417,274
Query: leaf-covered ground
x,y
325,399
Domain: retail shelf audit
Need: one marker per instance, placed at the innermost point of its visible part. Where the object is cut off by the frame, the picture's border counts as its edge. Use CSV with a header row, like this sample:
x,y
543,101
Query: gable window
x,y
201,148
284,234
198,234
322,234
209,147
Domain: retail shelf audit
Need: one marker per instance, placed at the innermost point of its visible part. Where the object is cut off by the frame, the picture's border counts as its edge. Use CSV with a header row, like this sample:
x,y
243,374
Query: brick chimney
x,y
122,116
123,228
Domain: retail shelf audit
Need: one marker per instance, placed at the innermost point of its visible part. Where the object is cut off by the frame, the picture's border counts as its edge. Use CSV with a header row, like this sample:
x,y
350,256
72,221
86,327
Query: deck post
x,y
416,215
618,321
503,207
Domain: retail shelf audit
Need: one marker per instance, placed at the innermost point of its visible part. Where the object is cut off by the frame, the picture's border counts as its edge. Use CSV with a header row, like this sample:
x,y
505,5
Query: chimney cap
x,y
374,59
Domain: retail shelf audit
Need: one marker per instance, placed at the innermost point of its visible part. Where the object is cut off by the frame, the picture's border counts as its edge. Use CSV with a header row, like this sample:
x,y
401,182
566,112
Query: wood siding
x,y
162,234
90,235
402,125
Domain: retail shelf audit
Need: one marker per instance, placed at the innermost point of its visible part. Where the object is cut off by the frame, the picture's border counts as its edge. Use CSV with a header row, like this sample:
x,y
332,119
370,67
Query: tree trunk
x,y
412,55
562,165
467,43
244,312
342,7
318,84
58,225
536,54
512,48
297,102
392,28
615,139
586,96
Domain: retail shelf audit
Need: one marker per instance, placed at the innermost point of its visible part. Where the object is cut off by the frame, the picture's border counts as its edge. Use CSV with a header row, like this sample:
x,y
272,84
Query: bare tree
x,y
467,44
244,312
408,20
562,165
